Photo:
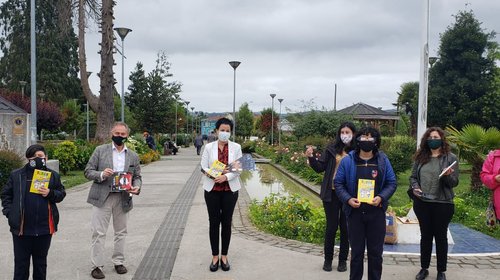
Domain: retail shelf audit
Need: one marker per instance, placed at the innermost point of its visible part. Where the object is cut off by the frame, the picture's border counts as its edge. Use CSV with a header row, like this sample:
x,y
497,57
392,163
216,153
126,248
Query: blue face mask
x,y
224,136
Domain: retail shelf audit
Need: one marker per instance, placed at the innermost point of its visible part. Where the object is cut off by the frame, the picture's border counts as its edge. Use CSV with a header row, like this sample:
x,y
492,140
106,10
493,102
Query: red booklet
x,y
122,181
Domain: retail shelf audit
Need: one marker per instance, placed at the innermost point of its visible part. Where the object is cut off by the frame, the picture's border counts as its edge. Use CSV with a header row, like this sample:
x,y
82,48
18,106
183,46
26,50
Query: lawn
x,y
73,178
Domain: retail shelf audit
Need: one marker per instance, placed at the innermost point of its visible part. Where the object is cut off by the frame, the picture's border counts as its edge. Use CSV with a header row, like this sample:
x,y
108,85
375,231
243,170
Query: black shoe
x,y
214,266
422,274
120,269
342,266
97,273
441,276
327,265
225,266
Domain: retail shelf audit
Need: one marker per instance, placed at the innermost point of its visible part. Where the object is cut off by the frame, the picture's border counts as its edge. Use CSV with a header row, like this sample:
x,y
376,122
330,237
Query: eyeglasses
x,y
365,138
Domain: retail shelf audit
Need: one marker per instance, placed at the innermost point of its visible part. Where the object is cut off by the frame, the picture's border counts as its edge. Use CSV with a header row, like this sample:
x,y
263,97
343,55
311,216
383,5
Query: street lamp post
x,y
272,118
235,65
279,126
187,120
87,111
192,119
23,84
122,32
33,71
176,120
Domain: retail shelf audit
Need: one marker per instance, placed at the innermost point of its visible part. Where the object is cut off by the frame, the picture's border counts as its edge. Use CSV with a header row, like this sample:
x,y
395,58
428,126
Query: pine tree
x,y
462,81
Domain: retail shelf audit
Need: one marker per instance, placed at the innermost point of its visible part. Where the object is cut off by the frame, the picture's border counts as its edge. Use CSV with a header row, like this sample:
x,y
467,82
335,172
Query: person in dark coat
x,y
335,218
365,181
33,215
150,141
198,143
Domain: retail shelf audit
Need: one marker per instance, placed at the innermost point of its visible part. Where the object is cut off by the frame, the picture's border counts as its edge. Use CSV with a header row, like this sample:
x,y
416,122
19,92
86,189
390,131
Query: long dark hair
x,y
338,145
424,154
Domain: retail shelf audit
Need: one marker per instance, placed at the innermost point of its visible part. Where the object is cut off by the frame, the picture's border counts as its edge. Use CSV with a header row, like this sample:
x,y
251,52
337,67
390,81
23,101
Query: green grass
x,y
73,178
470,206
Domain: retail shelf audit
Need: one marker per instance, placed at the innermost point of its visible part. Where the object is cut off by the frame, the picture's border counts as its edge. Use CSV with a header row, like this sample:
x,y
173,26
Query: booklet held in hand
x,y
122,181
40,180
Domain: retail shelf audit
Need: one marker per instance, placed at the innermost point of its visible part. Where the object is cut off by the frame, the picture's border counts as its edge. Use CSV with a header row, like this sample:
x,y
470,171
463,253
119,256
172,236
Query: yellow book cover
x,y
366,190
40,180
216,169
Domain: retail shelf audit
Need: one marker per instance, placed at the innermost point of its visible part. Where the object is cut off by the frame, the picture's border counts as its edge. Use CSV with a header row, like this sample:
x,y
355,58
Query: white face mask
x,y
346,138
224,136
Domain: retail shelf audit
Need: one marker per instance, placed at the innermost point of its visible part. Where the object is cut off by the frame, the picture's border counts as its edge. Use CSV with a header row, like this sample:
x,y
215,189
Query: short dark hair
x,y
31,151
373,133
222,121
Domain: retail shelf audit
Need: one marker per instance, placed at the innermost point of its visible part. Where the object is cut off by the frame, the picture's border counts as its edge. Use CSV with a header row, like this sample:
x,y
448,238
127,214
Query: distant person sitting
x,y
171,146
149,140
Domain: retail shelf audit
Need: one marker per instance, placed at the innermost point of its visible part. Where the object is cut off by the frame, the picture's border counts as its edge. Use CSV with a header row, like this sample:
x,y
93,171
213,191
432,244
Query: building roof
x,y
7,107
364,111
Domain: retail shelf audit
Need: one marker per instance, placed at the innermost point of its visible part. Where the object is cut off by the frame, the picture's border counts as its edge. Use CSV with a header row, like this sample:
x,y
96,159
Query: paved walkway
x,y
168,239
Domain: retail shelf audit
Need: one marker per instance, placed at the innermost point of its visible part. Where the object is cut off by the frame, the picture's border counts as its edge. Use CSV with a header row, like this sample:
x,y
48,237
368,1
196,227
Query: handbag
x,y
491,218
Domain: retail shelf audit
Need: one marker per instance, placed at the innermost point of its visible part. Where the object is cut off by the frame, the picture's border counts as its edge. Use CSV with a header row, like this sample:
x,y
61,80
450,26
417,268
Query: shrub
x,y
248,147
400,150
9,161
84,152
290,217
66,153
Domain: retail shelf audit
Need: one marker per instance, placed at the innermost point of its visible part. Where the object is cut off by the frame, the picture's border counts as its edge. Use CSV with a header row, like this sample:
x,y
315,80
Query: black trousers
x,y
220,206
433,219
27,247
335,219
198,150
366,225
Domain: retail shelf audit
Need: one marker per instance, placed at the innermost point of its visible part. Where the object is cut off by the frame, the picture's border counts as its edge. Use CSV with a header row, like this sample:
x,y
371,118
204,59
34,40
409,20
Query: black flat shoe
x,y
327,265
342,266
441,276
225,266
422,274
214,266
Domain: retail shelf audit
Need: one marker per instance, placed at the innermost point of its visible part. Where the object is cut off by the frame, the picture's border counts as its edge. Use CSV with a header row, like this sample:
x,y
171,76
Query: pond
x,y
266,179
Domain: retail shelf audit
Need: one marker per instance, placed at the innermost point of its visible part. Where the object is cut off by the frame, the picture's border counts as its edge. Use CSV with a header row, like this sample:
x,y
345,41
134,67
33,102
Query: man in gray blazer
x,y
106,160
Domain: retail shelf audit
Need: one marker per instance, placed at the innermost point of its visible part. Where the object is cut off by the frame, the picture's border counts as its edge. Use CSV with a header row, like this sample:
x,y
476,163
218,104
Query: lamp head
x,y
273,95
280,100
234,64
122,31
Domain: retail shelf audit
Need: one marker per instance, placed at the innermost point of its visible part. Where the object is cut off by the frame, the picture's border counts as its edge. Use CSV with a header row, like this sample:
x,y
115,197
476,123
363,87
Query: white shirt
x,y
119,158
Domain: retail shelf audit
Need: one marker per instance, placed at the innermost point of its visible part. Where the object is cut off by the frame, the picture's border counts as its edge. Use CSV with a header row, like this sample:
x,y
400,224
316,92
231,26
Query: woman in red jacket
x,y
490,176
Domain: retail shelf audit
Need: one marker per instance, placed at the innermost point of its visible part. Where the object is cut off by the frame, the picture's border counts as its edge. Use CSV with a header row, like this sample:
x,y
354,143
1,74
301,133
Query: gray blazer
x,y
101,159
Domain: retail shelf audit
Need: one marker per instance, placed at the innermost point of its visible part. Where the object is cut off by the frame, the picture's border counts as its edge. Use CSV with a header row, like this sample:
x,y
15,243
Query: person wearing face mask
x,y
335,218
221,193
365,167
103,165
432,195
33,217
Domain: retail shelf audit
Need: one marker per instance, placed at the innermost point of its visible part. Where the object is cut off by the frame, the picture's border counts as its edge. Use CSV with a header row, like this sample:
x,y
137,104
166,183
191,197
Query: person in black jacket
x,y
335,218
33,217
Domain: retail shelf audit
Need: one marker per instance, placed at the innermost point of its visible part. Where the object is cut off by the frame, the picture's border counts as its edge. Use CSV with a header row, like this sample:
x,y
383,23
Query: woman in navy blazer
x,y
221,192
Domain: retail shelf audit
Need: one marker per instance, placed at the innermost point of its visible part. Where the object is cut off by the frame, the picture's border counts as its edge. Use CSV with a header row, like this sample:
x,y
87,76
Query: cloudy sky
x,y
297,49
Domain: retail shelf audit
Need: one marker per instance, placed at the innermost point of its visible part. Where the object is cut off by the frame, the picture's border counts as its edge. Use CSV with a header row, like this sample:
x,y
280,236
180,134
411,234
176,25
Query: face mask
x,y
366,146
224,136
434,143
118,140
37,163
346,138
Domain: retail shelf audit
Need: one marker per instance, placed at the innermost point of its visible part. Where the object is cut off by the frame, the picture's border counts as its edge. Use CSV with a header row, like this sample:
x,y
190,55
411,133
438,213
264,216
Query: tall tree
x,y
103,104
461,82
244,119
408,103
57,60
267,122
152,97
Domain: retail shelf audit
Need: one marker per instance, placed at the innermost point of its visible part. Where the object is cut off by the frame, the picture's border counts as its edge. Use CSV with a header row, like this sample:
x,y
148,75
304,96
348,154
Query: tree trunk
x,y
102,105
105,110
475,177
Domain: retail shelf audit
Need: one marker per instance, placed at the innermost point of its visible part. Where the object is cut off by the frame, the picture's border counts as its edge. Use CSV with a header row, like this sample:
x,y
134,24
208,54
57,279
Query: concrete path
x,y
168,239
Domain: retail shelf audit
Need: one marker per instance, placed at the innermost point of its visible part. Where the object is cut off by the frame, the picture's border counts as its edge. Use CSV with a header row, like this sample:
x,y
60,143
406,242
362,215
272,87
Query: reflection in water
x,y
266,180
